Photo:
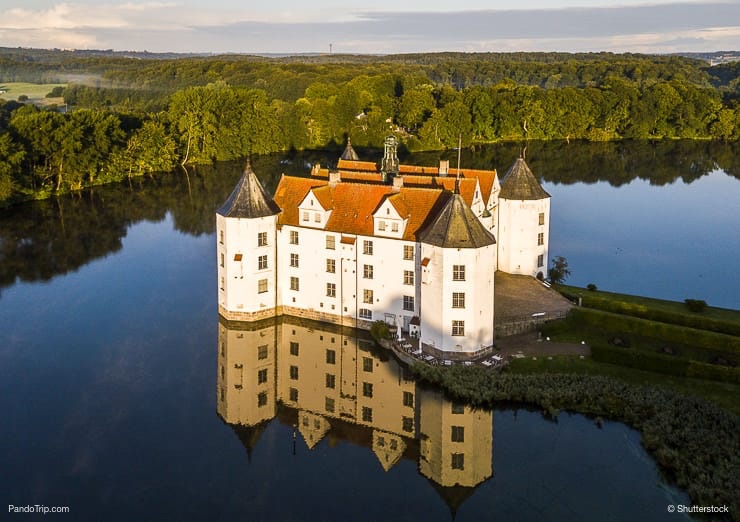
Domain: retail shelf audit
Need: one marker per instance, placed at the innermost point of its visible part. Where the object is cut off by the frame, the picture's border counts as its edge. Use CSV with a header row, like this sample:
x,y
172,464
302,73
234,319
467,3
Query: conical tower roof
x,y
455,226
519,183
249,199
349,153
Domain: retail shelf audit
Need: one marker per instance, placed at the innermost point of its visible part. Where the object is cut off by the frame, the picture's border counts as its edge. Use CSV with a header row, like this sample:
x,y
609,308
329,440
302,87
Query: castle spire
x,y
249,199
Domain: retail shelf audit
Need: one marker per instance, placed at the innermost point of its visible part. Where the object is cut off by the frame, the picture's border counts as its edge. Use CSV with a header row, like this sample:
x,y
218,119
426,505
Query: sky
x,y
373,27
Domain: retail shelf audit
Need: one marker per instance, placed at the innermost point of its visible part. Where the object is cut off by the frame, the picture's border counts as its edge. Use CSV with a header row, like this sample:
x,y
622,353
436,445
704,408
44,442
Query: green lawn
x,y
36,92
725,394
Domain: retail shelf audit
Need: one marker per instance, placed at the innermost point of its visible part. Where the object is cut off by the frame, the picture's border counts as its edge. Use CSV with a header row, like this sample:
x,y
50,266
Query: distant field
x,y
36,92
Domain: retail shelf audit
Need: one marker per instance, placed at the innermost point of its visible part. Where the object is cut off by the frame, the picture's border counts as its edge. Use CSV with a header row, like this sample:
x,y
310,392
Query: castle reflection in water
x,y
331,381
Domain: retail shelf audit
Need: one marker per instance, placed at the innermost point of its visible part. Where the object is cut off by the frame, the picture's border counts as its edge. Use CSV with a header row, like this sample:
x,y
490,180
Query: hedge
x,y
691,320
715,342
664,364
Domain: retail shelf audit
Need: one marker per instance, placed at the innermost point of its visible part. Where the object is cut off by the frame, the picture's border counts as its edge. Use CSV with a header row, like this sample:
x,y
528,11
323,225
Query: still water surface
x,y
114,403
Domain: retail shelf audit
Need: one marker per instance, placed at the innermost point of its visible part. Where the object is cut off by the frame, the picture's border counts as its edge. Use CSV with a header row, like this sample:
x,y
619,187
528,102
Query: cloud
x,y
165,26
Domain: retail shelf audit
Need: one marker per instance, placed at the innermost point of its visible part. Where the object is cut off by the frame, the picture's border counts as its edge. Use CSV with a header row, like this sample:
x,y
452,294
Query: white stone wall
x,y
517,236
438,313
238,279
386,284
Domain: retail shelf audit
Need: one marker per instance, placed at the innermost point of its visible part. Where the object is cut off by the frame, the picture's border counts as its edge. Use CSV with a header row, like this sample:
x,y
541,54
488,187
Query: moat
x,y
110,368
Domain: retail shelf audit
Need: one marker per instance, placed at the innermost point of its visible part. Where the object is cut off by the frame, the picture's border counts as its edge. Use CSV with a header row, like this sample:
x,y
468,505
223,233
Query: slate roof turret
x,y
249,199
349,153
455,226
520,184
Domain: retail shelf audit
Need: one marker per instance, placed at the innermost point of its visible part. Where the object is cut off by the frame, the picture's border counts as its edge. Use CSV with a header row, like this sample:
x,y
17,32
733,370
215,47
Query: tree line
x,y
135,118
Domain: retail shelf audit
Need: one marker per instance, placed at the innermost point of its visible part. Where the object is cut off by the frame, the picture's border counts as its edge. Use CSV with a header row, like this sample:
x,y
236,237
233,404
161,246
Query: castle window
x,y
262,239
367,248
458,434
408,399
367,389
262,399
367,271
305,216
295,284
293,237
408,252
458,328
542,218
458,461
237,257
331,266
458,299
222,260
262,376
365,313
330,380
408,277
331,290
262,286
381,225
408,424
394,227
329,404
458,272
541,238
222,283
294,260
221,237
540,260
262,262
294,395
262,352
331,357
457,408
367,296
408,303
330,242
294,373
294,347
367,414
367,364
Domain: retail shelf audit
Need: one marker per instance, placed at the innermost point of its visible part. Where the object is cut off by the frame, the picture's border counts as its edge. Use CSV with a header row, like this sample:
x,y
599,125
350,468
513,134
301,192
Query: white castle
x,y
416,247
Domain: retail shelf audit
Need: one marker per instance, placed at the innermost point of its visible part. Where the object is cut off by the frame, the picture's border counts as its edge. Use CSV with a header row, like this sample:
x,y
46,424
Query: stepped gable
x,y
455,226
349,153
520,184
249,199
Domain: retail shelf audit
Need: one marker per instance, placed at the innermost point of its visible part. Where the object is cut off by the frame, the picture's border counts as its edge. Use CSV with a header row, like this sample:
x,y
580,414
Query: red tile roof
x,y
353,204
289,193
357,165
467,185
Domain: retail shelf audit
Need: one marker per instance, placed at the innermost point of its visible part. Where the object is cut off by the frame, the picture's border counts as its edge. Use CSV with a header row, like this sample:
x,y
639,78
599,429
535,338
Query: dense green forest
x,y
127,116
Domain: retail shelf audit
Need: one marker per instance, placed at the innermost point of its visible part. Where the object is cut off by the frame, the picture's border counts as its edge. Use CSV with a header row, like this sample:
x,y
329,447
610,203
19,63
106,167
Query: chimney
x,y
315,169
334,178
444,167
397,183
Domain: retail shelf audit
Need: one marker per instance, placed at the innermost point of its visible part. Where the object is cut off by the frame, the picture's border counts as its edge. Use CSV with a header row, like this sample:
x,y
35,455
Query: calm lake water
x,y
115,403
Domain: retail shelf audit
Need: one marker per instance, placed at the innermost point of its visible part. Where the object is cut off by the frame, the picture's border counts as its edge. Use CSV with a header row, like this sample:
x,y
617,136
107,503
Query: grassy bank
x,y
719,320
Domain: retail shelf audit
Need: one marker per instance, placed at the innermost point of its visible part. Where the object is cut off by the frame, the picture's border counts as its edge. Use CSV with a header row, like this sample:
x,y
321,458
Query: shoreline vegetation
x,y
694,442
126,117
690,425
